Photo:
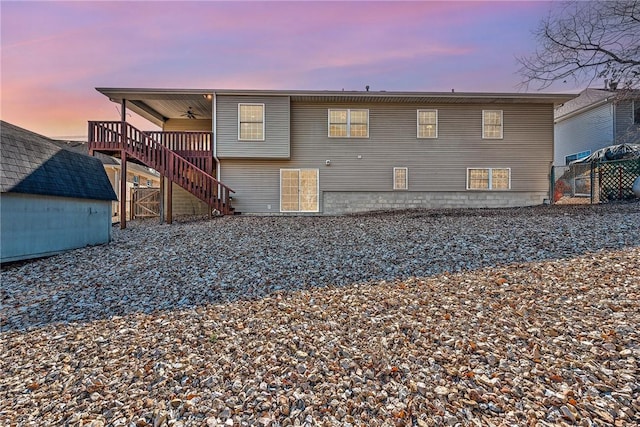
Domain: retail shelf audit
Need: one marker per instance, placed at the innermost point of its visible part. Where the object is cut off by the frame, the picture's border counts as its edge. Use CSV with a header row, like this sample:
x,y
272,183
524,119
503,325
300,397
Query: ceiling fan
x,y
189,114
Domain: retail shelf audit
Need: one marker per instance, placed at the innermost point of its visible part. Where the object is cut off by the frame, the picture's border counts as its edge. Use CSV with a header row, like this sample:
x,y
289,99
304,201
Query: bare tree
x,y
585,41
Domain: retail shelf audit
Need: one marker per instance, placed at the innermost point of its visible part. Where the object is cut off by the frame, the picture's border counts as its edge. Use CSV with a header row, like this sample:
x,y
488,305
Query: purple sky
x,y
55,53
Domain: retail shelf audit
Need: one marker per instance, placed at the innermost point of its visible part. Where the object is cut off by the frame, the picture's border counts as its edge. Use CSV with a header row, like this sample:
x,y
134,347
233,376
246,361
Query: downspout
x,y
215,138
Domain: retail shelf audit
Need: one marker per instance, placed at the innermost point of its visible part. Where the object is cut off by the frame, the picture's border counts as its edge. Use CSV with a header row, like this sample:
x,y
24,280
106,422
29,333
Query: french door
x,y
299,190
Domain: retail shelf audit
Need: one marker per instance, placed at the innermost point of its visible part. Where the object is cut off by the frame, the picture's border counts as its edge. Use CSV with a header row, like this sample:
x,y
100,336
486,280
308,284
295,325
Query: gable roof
x,y
587,99
32,164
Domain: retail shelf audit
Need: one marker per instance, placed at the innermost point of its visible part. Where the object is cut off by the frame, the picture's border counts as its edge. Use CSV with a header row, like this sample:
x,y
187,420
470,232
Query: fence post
x,y
592,183
132,204
619,182
552,185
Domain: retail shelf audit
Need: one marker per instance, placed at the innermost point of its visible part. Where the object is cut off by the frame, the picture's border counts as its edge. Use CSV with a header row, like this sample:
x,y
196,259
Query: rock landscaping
x,y
504,317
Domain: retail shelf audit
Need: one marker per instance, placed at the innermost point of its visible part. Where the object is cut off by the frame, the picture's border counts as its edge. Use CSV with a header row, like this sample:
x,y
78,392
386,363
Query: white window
x,y
347,123
251,122
427,123
136,180
148,183
400,178
299,190
488,178
492,124
576,156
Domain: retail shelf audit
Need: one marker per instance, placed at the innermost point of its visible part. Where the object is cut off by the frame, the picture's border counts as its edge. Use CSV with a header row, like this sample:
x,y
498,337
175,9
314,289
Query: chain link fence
x,y
596,182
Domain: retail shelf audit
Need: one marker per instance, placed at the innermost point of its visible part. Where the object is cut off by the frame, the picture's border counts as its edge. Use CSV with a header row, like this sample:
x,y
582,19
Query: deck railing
x,y
193,146
115,136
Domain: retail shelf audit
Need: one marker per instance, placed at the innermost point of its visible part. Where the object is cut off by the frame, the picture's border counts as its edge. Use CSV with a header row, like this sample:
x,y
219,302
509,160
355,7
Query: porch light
x,y
207,96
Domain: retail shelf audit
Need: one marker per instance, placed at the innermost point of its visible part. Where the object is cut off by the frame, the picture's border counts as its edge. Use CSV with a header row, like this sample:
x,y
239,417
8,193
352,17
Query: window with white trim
x,y
488,178
251,122
400,178
299,190
576,156
492,124
427,123
348,123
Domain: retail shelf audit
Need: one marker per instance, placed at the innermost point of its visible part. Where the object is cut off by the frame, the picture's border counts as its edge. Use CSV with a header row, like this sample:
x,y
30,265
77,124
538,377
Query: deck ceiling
x,y
160,106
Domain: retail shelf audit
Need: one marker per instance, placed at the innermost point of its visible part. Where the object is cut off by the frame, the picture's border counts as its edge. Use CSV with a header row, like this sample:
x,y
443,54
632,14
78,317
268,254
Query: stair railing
x,y
109,136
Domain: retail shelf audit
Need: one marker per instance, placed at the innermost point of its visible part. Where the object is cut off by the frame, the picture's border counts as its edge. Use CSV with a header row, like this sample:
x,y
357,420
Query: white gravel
x,y
477,317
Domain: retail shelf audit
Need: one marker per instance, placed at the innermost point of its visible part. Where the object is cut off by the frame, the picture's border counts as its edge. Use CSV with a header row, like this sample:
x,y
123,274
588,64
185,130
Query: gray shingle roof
x,y
32,164
587,98
81,147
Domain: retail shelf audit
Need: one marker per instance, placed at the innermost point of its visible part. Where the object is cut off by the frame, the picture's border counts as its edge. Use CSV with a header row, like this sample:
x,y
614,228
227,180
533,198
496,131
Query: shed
x,y
51,199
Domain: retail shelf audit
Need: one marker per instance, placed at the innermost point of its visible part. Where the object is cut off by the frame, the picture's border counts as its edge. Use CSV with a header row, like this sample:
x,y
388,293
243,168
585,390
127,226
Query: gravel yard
x,y
526,316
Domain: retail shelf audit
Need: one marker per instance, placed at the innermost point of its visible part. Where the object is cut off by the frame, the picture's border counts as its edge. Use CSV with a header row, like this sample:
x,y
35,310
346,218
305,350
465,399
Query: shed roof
x,y
82,148
33,164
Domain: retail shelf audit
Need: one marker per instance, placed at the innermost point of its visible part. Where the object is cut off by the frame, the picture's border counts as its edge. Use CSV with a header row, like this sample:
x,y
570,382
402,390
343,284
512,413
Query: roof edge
x,y
559,97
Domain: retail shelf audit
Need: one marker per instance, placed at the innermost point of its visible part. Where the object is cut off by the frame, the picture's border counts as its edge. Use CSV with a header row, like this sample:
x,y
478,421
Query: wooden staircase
x,y
178,156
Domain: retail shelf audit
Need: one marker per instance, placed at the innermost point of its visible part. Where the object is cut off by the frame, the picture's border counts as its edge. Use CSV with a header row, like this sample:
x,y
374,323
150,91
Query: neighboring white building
x,y
51,200
596,119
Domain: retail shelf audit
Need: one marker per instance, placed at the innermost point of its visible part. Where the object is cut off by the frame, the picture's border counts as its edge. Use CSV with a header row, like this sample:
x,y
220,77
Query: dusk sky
x,y
55,53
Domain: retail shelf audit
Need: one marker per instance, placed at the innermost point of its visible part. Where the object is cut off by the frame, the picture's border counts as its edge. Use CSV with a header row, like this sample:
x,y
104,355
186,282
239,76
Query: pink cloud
x,y
51,66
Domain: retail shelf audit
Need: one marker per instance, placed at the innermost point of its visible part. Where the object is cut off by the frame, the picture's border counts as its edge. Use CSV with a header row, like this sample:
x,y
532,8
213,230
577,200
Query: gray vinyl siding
x,y
276,144
434,165
626,130
590,130
185,203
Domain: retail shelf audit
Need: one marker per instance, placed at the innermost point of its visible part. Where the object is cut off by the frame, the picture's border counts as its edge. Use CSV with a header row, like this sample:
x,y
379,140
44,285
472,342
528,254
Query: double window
x,y
427,123
251,122
492,124
488,178
581,155
348,123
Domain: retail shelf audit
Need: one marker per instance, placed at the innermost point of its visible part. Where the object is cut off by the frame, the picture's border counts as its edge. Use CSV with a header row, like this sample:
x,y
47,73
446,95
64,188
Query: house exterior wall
x,y
35,226
436,167
276,144
626,130
590,130
185,203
